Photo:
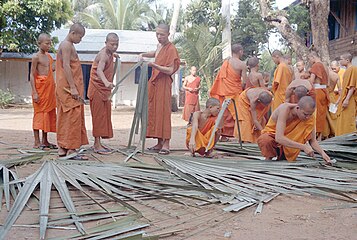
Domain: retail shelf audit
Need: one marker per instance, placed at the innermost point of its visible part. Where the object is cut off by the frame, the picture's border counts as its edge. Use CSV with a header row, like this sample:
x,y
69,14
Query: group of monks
x,y
65,96
295,98
305,105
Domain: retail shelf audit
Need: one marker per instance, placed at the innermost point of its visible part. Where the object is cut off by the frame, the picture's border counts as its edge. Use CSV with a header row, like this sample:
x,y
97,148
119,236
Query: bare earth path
x,y
286,217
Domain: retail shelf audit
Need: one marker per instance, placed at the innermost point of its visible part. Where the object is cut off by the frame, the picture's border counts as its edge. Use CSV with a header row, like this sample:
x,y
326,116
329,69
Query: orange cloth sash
x,y
296,130
159,91
282,79
203,135
248,133
346,117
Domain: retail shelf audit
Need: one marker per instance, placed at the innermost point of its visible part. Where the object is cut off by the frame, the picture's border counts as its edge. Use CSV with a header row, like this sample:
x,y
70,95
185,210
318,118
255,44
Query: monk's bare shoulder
x,y
35,57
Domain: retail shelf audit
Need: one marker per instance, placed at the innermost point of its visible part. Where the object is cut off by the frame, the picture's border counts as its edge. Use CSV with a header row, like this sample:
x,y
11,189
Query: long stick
x,y
218,120
237,121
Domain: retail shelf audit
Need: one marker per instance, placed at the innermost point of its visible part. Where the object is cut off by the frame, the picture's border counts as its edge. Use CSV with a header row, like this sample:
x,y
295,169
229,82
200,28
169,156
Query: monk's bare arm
x,y
66,52
288,93
35,61
167,70
261,81
184,85
103,58
194,129
150,54
253,112
280,129
244,75
349,95
312,78
315,145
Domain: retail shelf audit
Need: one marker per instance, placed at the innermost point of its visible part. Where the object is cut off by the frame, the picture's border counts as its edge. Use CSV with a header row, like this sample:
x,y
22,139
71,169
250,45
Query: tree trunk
x,y
174,20
282,24
319,11
226,33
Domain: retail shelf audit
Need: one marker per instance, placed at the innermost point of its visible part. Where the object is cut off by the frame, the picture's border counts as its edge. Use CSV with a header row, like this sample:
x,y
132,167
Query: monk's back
x,y
237,65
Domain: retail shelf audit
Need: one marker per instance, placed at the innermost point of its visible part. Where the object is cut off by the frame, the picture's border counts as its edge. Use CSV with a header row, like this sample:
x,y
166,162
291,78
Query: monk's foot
x,y
62,152
155,148
37,145
49,145
103,151
211,155
224,139
164,151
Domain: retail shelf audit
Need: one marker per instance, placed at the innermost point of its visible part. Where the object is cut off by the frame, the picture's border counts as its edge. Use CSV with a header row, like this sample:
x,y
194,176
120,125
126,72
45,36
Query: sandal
x,y
103,151
79,157
164,152
153,149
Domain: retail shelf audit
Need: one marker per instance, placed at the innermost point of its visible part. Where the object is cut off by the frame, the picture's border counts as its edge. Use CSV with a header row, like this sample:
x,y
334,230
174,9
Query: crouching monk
x,y
288,129
200,129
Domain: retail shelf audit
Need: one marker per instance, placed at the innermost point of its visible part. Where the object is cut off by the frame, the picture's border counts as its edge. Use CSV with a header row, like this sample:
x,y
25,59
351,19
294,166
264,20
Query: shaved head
x,y
301,91
307,103
164,26
236,48
252,62
334,64
112,36
77,28
43,37
347,56
277,53
211,102
265,98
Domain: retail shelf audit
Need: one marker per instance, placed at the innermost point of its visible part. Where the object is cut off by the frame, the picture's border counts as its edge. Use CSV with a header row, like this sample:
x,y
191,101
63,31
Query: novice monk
x,y
192,86
43,93
299,69
298,89
336,67
167,62
288,129
200,129
282,78
253,104
346,113
319,78
255,78
71,130
99,90
228,84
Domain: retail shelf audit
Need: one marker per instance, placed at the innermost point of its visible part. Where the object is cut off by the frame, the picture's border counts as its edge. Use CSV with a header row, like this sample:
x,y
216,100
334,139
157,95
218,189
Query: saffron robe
x,y
340,73
71,130
192,103
228,84
321,96
330,126
346,117
202,136
246,124
282,79
44,117
296,130
100,104
159,93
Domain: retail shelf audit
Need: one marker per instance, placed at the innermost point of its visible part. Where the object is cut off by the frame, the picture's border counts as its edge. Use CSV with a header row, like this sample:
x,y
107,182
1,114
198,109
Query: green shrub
x,y
6,97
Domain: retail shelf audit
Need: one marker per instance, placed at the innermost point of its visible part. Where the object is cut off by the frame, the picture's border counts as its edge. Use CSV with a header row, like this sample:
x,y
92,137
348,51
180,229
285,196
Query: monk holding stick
x,y
167,62
71,130
43,93
99,90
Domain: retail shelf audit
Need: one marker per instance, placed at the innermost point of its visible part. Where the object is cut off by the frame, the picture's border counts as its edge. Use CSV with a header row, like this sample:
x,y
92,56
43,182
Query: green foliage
x,y
6,97
299,15
206,12
248,27
22,21
118,14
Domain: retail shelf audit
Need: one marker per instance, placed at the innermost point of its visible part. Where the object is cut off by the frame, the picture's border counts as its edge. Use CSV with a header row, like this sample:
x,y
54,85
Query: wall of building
x,y
14,76
126,94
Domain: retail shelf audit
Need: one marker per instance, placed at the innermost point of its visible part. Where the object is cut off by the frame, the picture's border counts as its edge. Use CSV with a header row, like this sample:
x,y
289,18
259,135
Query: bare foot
x,y
62,152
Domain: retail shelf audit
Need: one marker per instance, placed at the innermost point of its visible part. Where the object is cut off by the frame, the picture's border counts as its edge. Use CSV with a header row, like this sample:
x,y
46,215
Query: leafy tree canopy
x,y
22,21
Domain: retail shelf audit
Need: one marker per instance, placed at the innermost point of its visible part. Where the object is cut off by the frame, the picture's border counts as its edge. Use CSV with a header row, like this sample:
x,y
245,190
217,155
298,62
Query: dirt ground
x,y
286,217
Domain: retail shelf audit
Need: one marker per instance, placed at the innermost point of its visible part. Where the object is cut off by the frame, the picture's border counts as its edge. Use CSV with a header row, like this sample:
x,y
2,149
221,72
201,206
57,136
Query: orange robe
x,y
340,73
100,104
159,91
228,84
321,96
71,130
282,79
346,117
192,103
330,126
296,130
44,117
202,136
246,124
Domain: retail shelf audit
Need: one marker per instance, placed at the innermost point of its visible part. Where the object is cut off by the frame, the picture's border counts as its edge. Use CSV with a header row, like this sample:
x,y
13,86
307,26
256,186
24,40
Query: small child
x,y
255,78
43,93
200,129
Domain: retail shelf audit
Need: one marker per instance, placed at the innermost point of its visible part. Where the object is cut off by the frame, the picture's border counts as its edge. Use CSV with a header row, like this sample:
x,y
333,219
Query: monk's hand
x,y
35,97
151,64
108,84
74,93
116,55
326,158
345,103
308,150
140,57
192,146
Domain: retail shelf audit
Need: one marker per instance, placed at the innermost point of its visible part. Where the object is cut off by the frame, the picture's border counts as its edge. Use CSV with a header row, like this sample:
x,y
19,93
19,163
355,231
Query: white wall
x,y
354,61
14,76
126,94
